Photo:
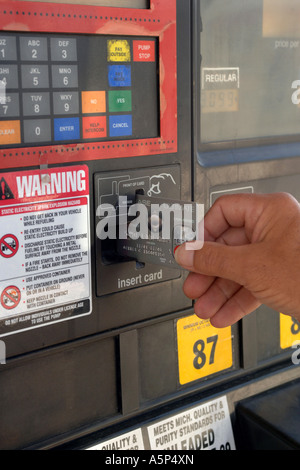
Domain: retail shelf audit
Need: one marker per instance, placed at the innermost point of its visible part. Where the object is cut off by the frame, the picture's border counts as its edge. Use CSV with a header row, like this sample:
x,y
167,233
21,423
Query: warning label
x,y
9,245
44,248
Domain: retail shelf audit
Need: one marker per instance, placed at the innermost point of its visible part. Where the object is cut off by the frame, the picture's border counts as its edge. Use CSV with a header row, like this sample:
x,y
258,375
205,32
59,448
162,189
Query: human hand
x,y
250,256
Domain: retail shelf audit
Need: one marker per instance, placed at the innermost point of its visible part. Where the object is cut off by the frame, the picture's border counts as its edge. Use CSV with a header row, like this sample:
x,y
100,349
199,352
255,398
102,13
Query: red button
x,y
94,127
144,51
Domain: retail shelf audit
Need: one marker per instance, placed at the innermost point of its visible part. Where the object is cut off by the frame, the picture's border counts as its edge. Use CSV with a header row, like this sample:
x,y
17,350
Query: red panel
x,y
158,21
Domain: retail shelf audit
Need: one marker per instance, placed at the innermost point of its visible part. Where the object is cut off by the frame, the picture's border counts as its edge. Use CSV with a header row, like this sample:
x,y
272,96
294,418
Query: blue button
x,y
119,75
66,129
120,125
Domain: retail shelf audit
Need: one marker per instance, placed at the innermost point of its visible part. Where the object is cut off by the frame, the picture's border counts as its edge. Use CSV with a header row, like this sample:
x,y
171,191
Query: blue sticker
x,y
66,129
120,125
119,75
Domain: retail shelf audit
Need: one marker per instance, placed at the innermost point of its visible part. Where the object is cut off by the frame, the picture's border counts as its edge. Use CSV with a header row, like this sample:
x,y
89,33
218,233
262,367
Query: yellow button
x,y
118,50
10,132
93,102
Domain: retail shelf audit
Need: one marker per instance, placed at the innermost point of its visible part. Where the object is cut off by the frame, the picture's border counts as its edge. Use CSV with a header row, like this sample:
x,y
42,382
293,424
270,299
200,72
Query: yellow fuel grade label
x,y
289,331
203,350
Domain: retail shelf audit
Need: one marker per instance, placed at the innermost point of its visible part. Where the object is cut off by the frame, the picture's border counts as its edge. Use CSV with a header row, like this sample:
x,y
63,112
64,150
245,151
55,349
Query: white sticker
x,y
44,247
226,77
215,194
204,427
130,441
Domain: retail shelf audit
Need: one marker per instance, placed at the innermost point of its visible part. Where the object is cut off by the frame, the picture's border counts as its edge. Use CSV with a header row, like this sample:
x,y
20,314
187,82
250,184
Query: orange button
x,y
10,132
93,102
94,127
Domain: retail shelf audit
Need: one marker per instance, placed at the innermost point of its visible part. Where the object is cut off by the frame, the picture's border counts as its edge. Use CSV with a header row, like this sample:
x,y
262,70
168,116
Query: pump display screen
x,y
249,72
77,88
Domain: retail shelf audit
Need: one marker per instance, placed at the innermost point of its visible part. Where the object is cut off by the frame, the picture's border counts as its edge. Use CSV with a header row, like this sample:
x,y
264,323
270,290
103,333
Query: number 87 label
x,y
202,349
289,331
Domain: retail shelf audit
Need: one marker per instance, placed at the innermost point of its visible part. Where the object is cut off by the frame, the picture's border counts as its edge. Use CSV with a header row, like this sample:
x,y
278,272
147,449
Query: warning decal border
x,y
47,277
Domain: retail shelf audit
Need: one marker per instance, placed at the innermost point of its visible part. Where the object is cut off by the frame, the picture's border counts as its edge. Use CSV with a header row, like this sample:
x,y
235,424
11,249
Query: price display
x,y
218,101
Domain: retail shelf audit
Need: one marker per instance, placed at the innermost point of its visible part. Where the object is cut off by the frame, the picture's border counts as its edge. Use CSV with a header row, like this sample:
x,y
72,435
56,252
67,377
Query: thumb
x,y
214,259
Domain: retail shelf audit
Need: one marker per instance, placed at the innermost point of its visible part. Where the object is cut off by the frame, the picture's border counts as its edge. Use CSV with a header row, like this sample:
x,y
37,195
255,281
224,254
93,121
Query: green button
x,y
119,100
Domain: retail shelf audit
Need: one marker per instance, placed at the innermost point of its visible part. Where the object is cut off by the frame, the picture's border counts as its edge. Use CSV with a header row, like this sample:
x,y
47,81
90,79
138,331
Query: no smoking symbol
x,y
10,297
9,245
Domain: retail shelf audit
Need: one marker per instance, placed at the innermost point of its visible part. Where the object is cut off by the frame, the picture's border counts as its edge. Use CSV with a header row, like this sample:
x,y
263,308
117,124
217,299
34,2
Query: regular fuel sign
x,y
44,247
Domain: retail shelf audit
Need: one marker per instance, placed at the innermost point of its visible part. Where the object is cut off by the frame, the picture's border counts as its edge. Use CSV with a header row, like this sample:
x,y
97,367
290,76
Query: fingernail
x,y
184,257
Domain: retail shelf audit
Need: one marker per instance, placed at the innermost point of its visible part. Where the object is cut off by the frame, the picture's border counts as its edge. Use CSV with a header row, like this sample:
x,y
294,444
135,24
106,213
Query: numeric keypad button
x,y
37,130
9,105
9,76
8,48
36,104
33,48
64,76
35,76
63,49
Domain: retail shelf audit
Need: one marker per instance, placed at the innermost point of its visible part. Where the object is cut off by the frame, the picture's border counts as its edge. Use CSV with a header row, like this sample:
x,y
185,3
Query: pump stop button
x,y
144,51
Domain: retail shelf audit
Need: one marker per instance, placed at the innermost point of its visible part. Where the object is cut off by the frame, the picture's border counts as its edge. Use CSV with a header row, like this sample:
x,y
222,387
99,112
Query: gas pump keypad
x,y
50,93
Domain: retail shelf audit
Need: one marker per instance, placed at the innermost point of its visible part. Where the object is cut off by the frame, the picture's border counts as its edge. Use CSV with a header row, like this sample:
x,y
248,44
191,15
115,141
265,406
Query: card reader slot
x,y
109,247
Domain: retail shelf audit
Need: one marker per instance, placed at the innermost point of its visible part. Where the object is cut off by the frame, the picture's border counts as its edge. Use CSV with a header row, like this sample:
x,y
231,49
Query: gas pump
x,y
180,100
91,109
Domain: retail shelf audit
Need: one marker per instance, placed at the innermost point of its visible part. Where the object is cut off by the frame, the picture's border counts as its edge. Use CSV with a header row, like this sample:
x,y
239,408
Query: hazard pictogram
x,y
10,297
5,191
9,245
